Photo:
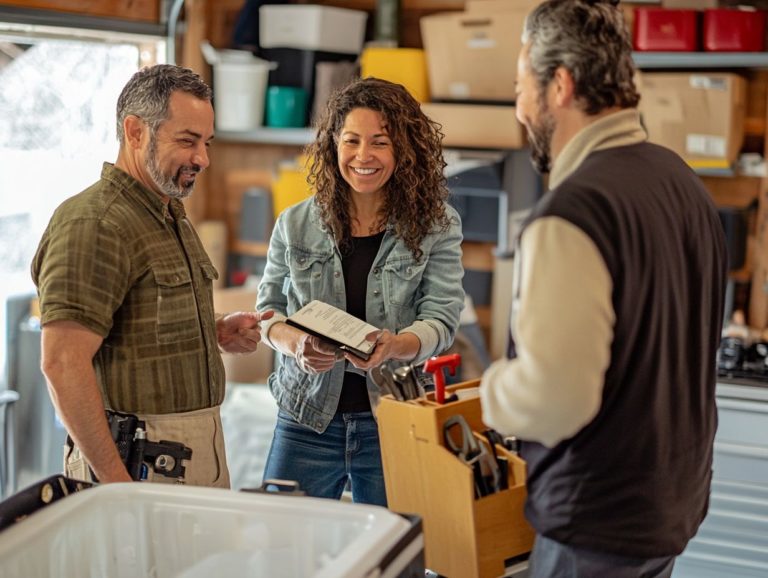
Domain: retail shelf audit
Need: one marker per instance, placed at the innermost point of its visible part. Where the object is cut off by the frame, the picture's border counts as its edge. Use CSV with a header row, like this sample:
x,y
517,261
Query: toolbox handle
x,y
275,486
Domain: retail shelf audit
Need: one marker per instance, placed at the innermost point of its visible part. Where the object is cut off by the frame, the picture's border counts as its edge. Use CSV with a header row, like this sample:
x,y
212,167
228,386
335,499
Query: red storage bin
x,y
665,30
734,30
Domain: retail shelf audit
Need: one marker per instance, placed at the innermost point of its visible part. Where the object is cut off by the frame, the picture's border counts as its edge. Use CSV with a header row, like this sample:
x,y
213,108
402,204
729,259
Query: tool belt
x,y
138,453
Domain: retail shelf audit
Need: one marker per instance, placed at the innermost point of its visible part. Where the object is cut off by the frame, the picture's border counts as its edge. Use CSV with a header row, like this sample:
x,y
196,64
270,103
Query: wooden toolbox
x,y
464,537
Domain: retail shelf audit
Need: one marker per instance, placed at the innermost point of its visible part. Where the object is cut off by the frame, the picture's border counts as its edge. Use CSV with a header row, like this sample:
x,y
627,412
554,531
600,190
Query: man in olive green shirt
x,y
125,290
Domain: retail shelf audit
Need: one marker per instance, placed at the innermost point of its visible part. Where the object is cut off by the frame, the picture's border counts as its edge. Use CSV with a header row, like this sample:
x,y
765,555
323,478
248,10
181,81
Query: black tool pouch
x,y
138,453
123,428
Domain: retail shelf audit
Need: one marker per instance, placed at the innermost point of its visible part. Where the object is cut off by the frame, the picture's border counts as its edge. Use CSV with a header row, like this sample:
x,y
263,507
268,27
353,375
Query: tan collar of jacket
x,y
618,129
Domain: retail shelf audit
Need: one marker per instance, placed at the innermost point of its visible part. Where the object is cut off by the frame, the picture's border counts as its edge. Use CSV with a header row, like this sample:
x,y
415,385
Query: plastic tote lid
x,y
214,56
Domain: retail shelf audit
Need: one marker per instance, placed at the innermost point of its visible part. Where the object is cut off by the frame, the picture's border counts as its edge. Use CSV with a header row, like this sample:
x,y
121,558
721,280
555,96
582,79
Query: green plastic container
x,y
286,106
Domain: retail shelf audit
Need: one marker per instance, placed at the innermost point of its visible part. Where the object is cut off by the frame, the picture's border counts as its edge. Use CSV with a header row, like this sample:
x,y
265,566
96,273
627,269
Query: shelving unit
x,y
250,248
264,148
269,136
728,187
710,60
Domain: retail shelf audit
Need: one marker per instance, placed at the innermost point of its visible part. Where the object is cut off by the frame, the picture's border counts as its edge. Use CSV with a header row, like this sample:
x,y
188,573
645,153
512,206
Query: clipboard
x,y
335,326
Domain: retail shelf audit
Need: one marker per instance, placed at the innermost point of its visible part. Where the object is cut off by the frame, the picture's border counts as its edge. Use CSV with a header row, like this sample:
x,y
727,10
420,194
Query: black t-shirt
x,y
356,262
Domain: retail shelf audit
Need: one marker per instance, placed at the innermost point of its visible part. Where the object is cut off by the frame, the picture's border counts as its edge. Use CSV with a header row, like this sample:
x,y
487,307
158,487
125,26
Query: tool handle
x,y
435,366
439,386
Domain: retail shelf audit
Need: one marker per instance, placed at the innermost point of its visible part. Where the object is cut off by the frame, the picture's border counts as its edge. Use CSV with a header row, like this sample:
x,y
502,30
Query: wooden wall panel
x,y
227,177
221,17
143,10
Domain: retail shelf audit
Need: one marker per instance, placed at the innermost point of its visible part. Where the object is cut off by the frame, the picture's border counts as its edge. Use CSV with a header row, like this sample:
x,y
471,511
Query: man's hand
x,y
240,332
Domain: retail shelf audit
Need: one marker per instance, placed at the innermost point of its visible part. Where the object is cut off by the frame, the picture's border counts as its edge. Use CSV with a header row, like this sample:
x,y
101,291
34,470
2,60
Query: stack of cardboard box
x,y
699,115
472,66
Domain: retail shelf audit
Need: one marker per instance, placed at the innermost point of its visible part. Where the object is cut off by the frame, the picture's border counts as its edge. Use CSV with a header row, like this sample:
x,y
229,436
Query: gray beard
x,y
168,185
540,138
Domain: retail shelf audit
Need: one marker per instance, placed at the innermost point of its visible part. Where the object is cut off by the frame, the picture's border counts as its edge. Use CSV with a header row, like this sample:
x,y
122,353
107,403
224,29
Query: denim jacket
x,y
424,298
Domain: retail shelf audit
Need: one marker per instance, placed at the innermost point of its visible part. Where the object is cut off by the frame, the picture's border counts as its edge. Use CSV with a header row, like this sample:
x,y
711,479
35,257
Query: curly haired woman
x,y
377,240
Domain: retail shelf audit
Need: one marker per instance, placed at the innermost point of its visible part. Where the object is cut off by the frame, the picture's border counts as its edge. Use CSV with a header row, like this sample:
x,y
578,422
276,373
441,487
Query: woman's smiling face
x,y
365,153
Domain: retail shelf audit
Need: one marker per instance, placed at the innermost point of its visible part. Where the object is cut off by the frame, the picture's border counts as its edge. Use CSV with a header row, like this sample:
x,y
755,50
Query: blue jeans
x,y
322,464
551,559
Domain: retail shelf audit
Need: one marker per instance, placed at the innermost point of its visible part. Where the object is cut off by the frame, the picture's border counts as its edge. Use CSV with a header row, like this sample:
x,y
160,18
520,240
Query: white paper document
x,y
335,326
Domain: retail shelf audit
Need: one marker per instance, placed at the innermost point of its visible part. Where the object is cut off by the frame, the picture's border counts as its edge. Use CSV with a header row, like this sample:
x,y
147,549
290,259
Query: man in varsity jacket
x,y
616,317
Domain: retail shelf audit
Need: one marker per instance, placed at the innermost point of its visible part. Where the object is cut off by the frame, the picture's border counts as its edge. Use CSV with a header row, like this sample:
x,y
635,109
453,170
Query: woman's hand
x,y
313,356
404,347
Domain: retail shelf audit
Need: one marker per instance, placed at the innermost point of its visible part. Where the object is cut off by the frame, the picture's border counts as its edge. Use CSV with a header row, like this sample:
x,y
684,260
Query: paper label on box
x,y
708,82
705,145
481,42
458,89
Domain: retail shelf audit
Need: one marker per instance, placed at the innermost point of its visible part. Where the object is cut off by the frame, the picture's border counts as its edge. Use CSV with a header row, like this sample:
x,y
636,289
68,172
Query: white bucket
x,y
239,90
239,87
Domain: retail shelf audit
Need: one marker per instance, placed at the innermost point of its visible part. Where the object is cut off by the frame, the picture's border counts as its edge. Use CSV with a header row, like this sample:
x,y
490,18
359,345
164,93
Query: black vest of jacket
x,y
635,481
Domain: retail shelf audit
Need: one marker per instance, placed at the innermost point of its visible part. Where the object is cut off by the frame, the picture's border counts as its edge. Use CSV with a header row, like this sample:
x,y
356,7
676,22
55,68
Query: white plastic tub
x,y
239,90
158,531
239,87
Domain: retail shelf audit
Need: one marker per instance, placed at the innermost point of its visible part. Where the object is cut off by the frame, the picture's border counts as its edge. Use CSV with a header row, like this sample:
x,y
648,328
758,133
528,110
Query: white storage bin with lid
x,y
164,531
312,27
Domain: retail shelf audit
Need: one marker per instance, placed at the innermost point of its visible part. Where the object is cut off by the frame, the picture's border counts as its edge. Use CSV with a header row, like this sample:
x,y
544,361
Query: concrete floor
x,y
248,415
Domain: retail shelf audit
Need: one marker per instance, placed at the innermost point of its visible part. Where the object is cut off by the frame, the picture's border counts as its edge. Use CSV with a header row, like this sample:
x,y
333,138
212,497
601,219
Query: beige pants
x,y
200,430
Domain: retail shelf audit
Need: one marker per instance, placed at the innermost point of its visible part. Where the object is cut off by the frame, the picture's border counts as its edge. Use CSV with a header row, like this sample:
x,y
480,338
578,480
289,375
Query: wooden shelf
x,y
743,275
267,135
251,248
144,17
754,126
700,59
478,255
738,191
436,5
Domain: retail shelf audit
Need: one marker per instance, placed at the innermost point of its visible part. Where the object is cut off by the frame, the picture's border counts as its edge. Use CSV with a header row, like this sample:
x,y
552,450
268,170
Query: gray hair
x,y
589,38
148,92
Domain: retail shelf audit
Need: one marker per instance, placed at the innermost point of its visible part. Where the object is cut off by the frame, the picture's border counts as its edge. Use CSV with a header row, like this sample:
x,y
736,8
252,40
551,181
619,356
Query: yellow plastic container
x,y
406,66
290,186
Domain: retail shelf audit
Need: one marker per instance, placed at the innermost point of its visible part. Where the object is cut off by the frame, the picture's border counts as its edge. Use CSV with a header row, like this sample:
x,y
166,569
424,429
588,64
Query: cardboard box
x,y
477,125
495,6
758,303
700,116
473,55
250,367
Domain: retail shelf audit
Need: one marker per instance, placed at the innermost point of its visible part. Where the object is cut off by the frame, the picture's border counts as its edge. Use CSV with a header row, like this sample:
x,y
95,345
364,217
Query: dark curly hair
x,y
416,191
590,39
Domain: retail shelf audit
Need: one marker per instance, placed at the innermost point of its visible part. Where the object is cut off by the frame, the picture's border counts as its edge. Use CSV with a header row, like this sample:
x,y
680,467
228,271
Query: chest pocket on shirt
x,y
177,318
307,274
209,271
403,278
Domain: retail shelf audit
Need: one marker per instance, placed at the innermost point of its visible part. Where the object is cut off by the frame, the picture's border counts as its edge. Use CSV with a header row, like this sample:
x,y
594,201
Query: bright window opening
x,y
57,126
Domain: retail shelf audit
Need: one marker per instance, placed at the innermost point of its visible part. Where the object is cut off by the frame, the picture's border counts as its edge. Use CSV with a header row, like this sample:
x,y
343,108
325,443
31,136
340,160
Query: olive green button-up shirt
x,y
121,262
